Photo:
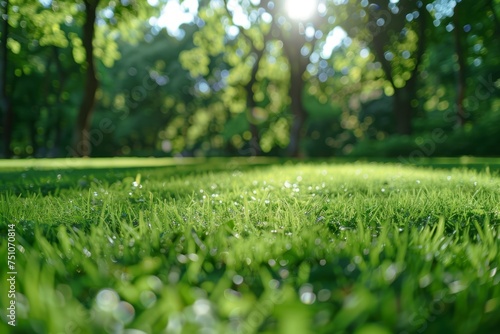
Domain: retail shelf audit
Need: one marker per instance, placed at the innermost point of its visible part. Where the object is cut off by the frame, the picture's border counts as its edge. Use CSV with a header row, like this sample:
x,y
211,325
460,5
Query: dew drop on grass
x,y
237,279
284,273
124,313
201,307
173,277
457,286
193,257
350,267
308,298
324,295
322,262
424,281
274,284
107,300
86,252
148,298
390,273
271,262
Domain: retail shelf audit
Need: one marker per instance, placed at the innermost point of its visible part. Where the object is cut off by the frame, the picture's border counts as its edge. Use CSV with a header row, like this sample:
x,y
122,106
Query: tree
x,y
81,142
461,55
5,103
266,25
396,34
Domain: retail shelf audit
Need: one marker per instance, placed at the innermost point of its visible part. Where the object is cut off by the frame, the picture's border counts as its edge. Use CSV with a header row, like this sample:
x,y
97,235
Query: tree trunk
x,y
81,143
403,97
5,104
298,65
298,112
461,80
59,108
254,130
403,111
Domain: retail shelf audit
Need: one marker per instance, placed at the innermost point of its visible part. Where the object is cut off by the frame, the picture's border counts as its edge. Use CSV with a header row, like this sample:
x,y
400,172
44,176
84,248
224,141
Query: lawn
x,y
245,246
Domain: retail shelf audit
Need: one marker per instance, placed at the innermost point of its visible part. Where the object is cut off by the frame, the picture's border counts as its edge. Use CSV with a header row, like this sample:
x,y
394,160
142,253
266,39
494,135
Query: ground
x,y
251,245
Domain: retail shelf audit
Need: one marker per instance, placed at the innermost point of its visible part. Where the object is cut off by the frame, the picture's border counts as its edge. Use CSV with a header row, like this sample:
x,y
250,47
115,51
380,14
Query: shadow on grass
x,y
48,179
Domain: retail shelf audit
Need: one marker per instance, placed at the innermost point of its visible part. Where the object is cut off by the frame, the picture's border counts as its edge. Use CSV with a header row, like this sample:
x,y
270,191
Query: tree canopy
x,y
249,77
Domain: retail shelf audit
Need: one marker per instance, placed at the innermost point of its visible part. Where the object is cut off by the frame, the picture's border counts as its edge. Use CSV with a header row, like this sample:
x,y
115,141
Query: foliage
x,y
225,83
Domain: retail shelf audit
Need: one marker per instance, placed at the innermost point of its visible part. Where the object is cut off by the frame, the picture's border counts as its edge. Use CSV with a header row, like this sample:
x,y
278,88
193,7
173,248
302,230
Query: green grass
x,y
246,246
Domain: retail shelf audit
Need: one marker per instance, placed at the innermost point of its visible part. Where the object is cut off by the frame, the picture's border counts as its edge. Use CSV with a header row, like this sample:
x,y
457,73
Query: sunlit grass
x,y
223,247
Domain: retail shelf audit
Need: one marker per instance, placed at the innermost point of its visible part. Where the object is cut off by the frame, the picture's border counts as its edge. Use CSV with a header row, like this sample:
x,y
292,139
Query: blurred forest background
x,y
250,77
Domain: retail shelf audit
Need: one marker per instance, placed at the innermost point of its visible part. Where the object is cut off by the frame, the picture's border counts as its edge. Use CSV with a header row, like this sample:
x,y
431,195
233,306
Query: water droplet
x,y
324,295
124,313
86,252
274,284
107,300
201,307
390,273
148,298
237,279
155,283
308,298
457,286
193,257
424,281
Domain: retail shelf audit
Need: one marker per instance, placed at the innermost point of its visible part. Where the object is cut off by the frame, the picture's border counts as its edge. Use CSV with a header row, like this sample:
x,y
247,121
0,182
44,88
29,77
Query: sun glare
x,y
301,9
